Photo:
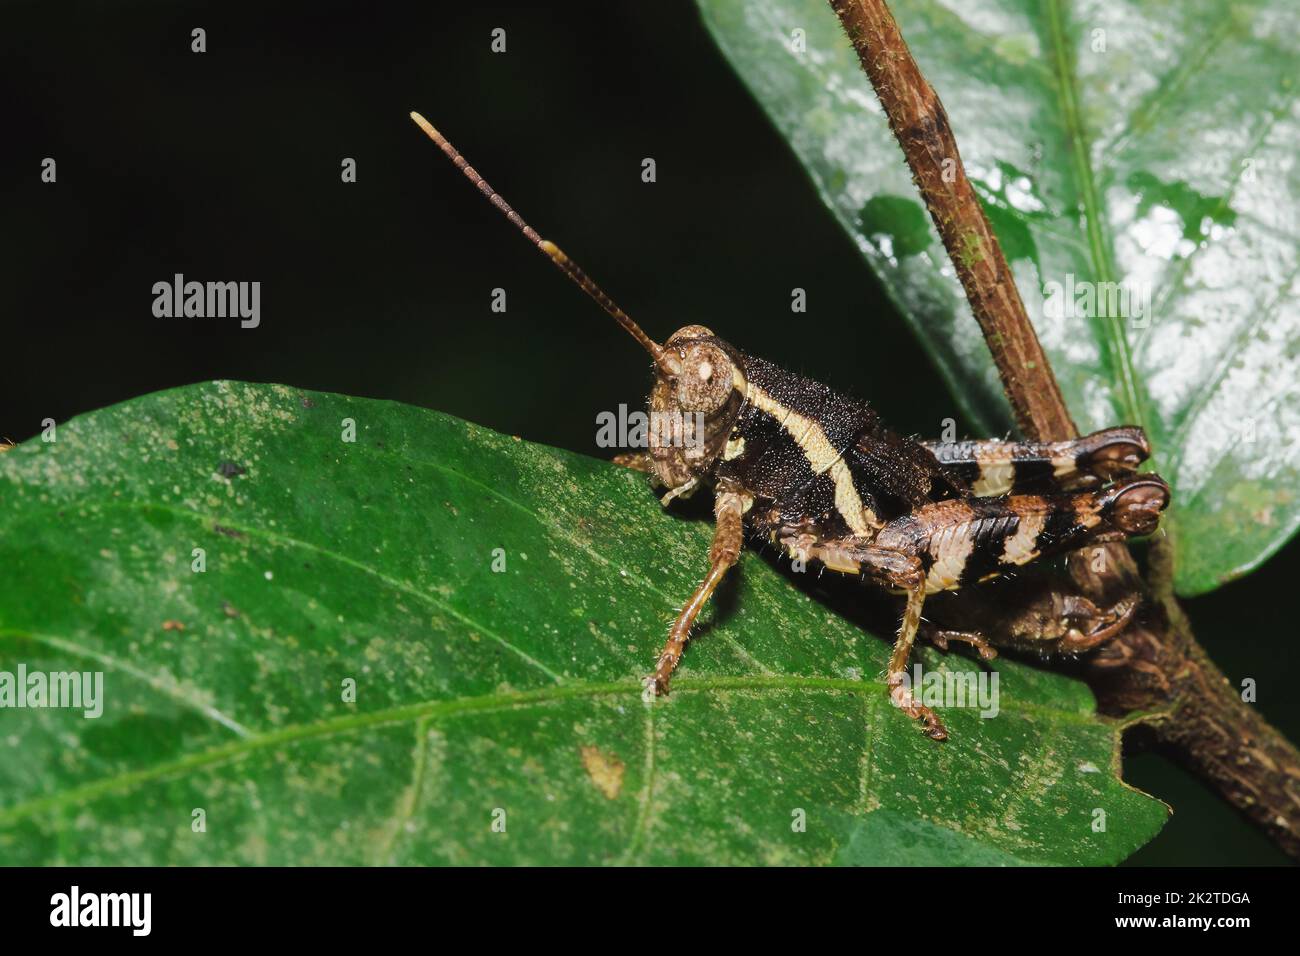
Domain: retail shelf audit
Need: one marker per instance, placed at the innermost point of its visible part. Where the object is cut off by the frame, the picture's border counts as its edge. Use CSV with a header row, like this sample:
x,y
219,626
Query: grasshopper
x,y
793,462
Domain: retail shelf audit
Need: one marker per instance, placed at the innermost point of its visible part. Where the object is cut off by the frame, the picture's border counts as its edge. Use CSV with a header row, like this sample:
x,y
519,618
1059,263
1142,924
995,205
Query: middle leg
x,y
894,571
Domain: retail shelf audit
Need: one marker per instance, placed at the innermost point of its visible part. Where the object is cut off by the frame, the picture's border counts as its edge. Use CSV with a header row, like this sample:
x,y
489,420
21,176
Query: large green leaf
x,y
1151,142
372,560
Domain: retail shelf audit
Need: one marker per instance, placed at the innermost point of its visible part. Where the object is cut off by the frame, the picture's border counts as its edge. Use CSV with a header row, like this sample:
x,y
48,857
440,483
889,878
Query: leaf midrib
x,y
457,707
1098,241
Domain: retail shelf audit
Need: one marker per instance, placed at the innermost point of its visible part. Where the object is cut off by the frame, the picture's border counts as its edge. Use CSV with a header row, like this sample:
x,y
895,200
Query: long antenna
x,y
663,359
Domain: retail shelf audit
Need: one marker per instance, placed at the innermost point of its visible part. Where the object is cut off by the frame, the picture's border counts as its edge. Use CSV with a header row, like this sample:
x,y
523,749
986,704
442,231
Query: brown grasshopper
x,y
816,472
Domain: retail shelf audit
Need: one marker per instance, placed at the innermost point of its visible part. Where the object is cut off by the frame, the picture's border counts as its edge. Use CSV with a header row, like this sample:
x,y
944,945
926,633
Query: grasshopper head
x,y
693,405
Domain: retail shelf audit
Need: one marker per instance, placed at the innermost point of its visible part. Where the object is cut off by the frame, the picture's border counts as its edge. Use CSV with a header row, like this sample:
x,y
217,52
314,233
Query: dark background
x,y
226,166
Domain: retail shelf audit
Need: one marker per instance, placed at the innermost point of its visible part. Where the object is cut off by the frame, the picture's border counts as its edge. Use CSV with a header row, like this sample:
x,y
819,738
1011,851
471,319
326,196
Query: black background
x,y
226,166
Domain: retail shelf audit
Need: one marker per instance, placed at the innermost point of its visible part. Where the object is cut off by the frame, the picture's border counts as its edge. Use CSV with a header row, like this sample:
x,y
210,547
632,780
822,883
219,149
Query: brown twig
x,y
1155,673
921,127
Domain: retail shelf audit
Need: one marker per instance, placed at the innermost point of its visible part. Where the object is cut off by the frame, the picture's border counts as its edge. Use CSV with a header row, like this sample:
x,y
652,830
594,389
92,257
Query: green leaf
x,y
1148,143
476,691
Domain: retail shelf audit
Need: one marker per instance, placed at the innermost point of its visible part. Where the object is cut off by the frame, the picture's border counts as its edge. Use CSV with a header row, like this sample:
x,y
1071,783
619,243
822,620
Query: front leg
x,y
643,462
728,537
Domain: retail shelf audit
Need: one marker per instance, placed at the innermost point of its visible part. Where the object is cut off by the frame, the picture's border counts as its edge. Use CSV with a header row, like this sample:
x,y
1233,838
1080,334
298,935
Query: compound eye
x,y
707,379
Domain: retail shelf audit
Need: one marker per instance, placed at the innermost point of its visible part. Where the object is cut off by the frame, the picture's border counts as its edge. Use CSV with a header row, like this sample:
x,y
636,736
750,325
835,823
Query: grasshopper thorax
x,y
696,399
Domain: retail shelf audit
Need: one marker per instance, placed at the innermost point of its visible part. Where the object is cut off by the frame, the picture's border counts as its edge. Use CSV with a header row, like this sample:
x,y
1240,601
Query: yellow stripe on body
x,y
1064,466
822,457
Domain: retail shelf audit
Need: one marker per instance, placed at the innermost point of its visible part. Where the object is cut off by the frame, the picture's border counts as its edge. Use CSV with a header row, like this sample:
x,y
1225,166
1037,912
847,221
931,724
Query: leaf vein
x,y
458,707
290,541
1068,96
167,688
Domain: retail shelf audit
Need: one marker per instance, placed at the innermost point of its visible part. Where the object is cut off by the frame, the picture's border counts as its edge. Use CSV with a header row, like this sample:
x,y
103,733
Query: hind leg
x,y
994,468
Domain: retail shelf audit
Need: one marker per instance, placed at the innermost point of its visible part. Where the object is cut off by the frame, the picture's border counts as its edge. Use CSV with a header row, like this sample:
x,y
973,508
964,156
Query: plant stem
x,y
921,126
1154,674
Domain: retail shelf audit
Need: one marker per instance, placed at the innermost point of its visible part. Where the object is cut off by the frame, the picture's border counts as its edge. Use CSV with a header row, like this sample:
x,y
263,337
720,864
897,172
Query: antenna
x,y
665,360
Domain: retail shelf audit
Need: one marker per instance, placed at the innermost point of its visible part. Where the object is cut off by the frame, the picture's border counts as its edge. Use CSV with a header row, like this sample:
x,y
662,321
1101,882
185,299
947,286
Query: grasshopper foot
x,y
941,637
658,681
1101,625
902,698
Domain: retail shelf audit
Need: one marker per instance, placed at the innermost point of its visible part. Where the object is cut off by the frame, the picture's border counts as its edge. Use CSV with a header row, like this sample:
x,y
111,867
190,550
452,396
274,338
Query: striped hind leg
x,y
994,468
967,541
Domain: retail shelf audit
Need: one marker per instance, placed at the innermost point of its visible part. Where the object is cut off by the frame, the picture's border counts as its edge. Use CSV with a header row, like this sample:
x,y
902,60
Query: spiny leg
x,y
941,637
728,536
966,542
994,468
896,675
963,542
